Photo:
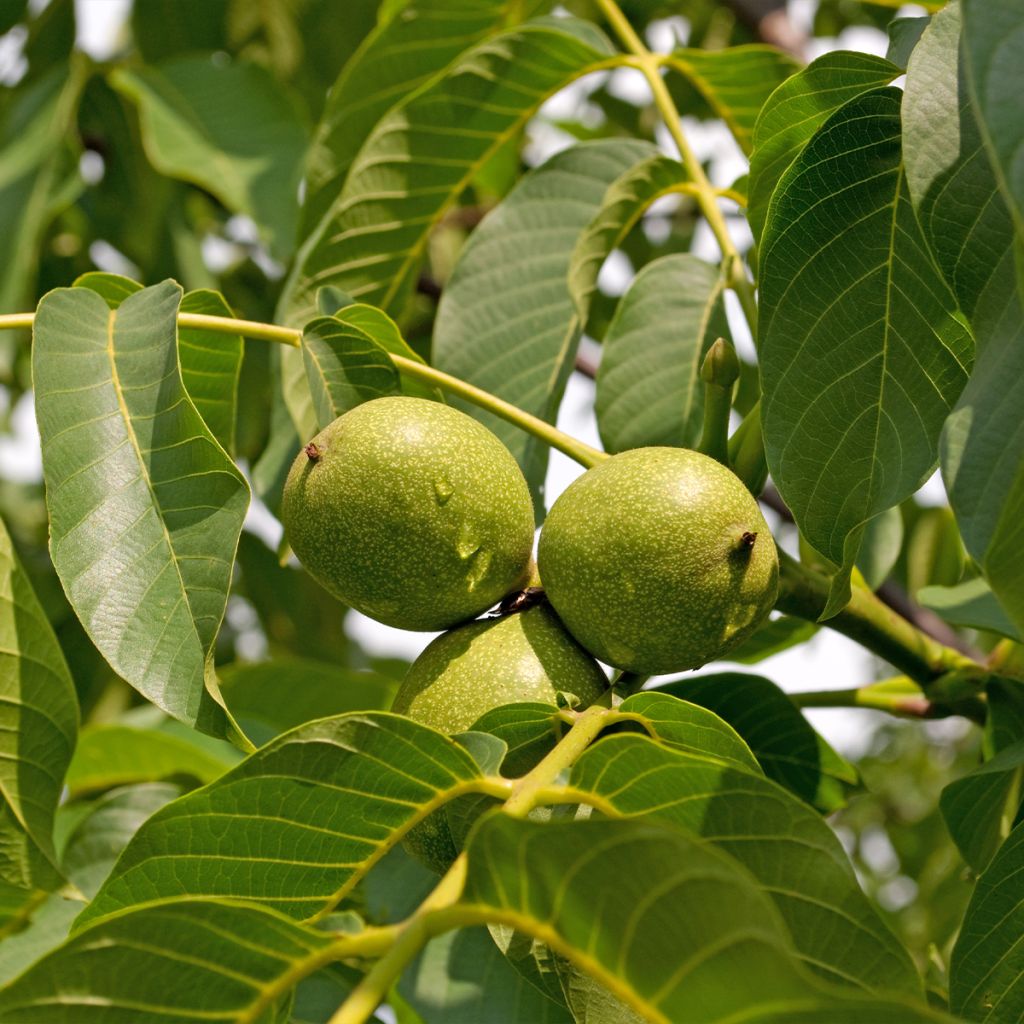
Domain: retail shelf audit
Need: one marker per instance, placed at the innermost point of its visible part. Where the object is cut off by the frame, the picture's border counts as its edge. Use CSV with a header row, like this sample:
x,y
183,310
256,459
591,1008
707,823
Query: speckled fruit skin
x,y
411,512
645,561
481,665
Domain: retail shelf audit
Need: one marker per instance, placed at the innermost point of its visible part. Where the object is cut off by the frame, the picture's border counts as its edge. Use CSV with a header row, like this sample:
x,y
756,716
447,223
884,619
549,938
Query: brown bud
x,y
312,452
747,539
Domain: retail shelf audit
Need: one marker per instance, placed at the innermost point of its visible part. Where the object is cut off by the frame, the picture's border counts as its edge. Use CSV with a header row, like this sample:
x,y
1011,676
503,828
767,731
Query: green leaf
x,y
463,978
1004,724
97,841
298,823
230,128
38,725
982,807
35,173
421,156
797,109
972,605
687,727
774,636
145,507
993,42
987,964
736,81
394,60
783,741
793,855
512,314
297,615
271,697
344,368
904,35
703,908
194,960
883,539
48,926
529,730
116,755
210,361
862,356
649,390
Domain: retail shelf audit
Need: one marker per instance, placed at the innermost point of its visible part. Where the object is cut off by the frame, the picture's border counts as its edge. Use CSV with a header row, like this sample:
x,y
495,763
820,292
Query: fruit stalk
x,y
719,371
874,625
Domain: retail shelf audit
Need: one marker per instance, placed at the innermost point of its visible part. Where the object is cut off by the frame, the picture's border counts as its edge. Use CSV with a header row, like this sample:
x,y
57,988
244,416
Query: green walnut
x,y
658,560
463,674
411,512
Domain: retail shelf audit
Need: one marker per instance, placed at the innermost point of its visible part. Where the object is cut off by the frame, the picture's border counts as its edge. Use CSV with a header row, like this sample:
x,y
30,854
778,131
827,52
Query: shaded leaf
x,y
171,964
463,978
38,725
298,823
271,697
794,856
145,507
971,604
982,807
512,314
116,755
396,58
296,613
344,368
904,35
735,81
883,539
987,964
862,357
97,841
774,636
230,128
783,741
649,390
797,109
424,152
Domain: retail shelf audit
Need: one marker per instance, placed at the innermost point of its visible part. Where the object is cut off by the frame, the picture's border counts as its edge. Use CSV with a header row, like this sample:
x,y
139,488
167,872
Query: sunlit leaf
x,y
189,961
971,604
394,60
38,725
862,356
424,152
145,507
299,822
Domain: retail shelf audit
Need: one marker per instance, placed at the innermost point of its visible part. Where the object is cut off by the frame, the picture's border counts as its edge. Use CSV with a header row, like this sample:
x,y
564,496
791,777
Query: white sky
x,y
828,661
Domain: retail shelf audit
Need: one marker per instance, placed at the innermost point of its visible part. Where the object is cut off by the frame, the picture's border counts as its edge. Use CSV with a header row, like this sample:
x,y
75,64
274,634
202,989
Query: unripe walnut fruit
x,y
658,560
411,512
